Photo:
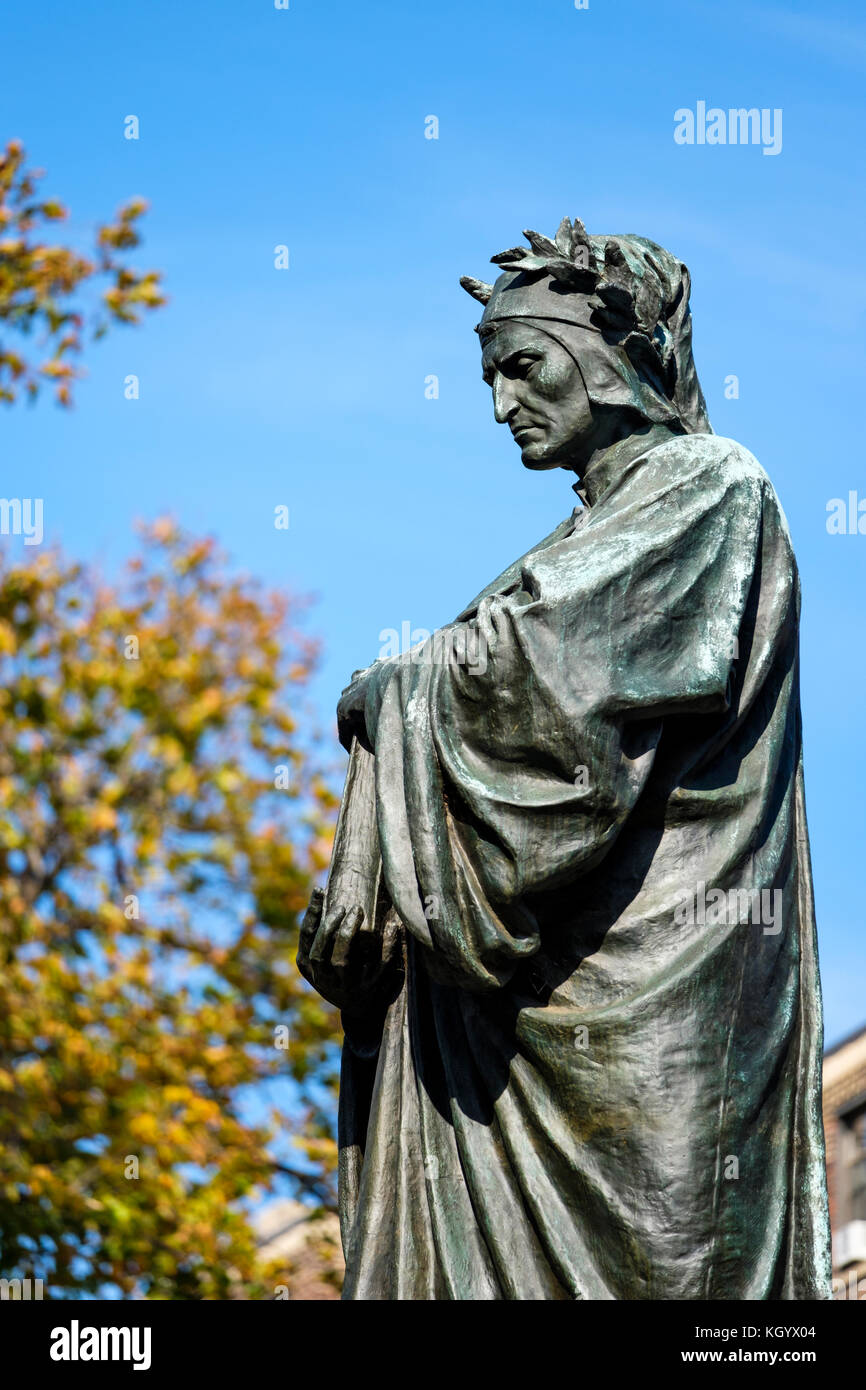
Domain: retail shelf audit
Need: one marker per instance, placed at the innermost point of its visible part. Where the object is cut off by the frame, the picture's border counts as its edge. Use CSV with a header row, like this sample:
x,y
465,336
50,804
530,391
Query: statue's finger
x,y
346,935
322,946
311,921
368,925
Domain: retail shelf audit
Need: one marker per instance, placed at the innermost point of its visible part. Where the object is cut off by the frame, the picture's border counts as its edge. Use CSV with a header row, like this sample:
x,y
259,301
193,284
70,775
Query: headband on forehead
x,y
631,294
488,326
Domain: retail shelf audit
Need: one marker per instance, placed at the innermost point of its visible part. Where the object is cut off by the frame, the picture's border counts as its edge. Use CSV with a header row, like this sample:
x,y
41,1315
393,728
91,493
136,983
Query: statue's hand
x,y
344,957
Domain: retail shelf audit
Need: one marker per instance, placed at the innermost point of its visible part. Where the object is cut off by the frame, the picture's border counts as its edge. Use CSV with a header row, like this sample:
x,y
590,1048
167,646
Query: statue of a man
x,y
569,919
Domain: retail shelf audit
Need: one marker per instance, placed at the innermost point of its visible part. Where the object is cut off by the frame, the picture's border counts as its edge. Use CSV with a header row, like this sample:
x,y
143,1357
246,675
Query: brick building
x,y
845,1131
305,1248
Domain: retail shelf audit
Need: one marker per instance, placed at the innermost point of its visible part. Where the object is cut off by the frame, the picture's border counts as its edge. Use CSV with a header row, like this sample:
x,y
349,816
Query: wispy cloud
x,y
837,39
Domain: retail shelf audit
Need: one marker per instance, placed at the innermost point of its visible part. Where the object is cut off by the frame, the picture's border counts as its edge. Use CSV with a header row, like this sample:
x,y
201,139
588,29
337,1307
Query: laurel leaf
x,y
516,253
563,238
479,289
541,245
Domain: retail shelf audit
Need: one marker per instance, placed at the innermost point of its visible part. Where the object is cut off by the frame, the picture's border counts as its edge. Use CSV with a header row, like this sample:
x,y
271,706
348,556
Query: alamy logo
x,y
76,1343
21,1289
713,907
736,126
22,516
846,518
465,646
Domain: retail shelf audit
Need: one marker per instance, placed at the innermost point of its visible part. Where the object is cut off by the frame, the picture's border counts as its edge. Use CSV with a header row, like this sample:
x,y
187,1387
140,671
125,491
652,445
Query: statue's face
x,y
539,393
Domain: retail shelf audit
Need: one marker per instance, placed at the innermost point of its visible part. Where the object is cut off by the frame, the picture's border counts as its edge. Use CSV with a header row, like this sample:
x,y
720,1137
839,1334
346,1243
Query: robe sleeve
x,y
509,756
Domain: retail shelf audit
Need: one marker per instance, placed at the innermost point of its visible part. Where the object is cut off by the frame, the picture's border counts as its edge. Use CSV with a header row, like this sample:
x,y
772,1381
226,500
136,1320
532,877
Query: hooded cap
x,y
619,305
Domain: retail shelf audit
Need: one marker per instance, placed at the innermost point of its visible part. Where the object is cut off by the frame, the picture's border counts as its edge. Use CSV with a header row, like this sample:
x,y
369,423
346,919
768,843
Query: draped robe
x,y
591,1084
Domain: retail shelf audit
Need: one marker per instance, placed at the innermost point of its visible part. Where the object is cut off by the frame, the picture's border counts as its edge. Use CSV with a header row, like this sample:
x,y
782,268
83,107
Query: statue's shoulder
x,y
730,458
722,470
709,462
698,452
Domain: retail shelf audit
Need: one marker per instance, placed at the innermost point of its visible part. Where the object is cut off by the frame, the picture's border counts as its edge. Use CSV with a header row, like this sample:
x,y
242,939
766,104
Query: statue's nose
x,y
504,404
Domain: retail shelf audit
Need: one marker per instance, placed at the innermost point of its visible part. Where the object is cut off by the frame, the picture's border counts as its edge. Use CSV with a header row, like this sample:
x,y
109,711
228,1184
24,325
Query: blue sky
x,y
306,387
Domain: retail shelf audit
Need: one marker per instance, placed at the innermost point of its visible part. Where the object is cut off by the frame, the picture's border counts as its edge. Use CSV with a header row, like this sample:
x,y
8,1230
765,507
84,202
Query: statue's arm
x,y
350,945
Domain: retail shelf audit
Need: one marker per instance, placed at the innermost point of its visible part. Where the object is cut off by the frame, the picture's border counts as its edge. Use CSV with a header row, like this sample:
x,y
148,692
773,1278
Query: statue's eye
x,y
524,364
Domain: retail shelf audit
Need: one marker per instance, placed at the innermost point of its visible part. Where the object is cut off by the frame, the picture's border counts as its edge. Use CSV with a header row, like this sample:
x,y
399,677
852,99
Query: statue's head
x,y
587,336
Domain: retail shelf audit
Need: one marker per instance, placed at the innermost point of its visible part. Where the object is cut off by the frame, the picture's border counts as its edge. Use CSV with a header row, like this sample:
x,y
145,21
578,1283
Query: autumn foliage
x,y
162,1064
44,286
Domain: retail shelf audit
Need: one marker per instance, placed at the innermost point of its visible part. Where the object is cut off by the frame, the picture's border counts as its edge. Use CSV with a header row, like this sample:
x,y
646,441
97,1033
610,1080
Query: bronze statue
x,y
569,918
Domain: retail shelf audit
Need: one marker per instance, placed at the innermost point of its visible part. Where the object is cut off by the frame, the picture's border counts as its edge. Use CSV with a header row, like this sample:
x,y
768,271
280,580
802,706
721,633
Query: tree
x,y
161,826
44,286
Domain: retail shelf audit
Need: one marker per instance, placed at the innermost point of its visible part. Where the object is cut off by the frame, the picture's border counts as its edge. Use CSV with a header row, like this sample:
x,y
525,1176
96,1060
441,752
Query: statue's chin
x,y
539,458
